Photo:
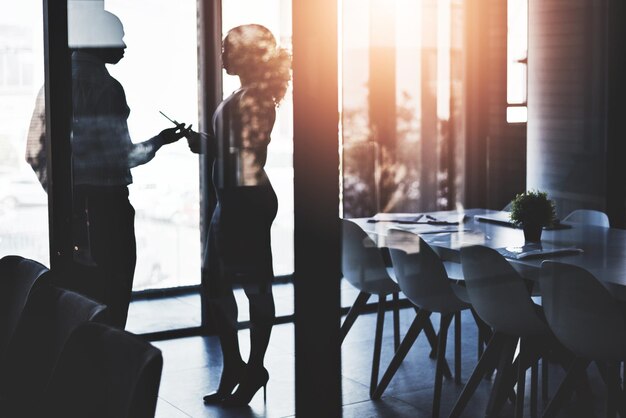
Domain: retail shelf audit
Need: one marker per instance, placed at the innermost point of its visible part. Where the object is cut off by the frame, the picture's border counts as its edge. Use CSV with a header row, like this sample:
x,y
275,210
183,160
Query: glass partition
x,y
23,200
276,16
136,190
402,84
402,101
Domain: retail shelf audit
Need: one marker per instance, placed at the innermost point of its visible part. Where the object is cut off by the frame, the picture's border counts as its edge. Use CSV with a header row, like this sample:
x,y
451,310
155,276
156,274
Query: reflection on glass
x,y
103,154
276,16
402,94
165,192
517,50
23,201
517,114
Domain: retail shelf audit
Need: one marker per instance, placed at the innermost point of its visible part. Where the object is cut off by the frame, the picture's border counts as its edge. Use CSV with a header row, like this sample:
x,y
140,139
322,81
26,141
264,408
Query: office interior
x,y
395,107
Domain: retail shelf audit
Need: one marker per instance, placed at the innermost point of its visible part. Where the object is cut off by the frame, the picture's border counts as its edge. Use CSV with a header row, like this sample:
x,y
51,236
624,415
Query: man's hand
x,y
171,135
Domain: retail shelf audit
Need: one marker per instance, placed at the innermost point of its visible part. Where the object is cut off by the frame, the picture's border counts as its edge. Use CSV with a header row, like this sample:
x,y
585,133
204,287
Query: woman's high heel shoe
x,y
228,382
254,380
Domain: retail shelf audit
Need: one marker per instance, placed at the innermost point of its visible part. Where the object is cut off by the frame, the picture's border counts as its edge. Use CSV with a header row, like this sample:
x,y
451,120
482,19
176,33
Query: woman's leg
x,y
224,310
261,321
262,315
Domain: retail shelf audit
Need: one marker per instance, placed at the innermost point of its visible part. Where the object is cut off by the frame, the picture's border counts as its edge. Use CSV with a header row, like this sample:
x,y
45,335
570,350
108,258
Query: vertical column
x,y
382,81
567,96
476,78
316,206
209,96
58,82
616,128
428,118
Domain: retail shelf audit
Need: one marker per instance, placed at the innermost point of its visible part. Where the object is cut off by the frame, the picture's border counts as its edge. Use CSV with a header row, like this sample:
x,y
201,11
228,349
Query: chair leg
x,y
431,335
615,402
566,387
622,399
534,383
544,381
429,330
521,380
504,377
484,364
418,324
378,341
484,333
457,348
441,358
396,321
353,313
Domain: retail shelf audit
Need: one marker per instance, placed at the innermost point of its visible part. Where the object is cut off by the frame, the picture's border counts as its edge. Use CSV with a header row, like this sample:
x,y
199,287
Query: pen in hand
x,y
171,120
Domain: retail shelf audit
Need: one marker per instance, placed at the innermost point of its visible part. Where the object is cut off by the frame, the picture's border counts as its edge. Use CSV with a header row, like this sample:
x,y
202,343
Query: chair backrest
x,y
582,313
423,278
499,294
105,372
588,217
18,275
49,317
362,263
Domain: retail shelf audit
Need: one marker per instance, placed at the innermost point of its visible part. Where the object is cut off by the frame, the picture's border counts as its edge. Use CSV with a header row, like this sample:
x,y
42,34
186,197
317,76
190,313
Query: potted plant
x,y
532,210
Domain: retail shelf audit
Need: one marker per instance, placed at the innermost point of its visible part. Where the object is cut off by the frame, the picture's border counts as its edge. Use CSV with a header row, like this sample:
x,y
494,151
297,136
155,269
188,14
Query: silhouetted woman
x,y
238,249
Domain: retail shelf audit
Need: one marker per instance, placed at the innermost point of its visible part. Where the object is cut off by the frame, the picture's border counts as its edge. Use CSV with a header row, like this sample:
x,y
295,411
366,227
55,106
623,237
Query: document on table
x,y
400,218
422,229
539,250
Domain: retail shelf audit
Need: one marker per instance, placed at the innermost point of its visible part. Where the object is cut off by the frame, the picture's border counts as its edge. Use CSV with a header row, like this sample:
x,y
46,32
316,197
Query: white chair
x,y
363,266
423,279
502,299
588,217
586,318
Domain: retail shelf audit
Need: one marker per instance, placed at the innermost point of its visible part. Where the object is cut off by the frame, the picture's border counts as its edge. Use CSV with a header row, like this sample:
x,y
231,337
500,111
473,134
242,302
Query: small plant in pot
x,y
532,210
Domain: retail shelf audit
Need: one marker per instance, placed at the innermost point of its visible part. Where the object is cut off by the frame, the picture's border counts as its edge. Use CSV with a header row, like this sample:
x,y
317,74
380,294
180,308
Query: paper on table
x,y
430,229
414,217
537,250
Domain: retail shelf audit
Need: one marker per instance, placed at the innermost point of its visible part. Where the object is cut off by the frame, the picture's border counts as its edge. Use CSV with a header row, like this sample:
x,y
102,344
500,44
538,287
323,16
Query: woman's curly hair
x,y
251,50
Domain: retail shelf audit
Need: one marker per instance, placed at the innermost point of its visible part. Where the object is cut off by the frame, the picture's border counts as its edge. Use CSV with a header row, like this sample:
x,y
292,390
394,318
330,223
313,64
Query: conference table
x,y
600,250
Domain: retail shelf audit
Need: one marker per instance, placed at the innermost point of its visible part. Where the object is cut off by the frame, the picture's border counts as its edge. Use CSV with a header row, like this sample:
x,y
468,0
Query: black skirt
x,y
239,242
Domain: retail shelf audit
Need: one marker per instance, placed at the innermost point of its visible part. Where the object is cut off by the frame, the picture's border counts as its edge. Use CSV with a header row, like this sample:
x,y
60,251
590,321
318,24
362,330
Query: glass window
x,y
276,16
164,191
129,64
401,113
517,60
23,200
402,98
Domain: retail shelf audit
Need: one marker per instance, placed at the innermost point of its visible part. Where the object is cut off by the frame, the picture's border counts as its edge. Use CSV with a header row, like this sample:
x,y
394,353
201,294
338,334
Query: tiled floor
x,y
192,367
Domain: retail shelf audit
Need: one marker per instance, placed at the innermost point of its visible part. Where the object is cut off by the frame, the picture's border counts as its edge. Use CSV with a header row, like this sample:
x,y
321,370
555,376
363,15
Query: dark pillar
x,y
58,82
616,128
475,104
382,80
429,135
567,97
209,96
316,206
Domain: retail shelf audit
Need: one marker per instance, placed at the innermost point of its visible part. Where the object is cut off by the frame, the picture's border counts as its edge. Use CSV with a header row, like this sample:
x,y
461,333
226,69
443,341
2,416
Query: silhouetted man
x,y
102,156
